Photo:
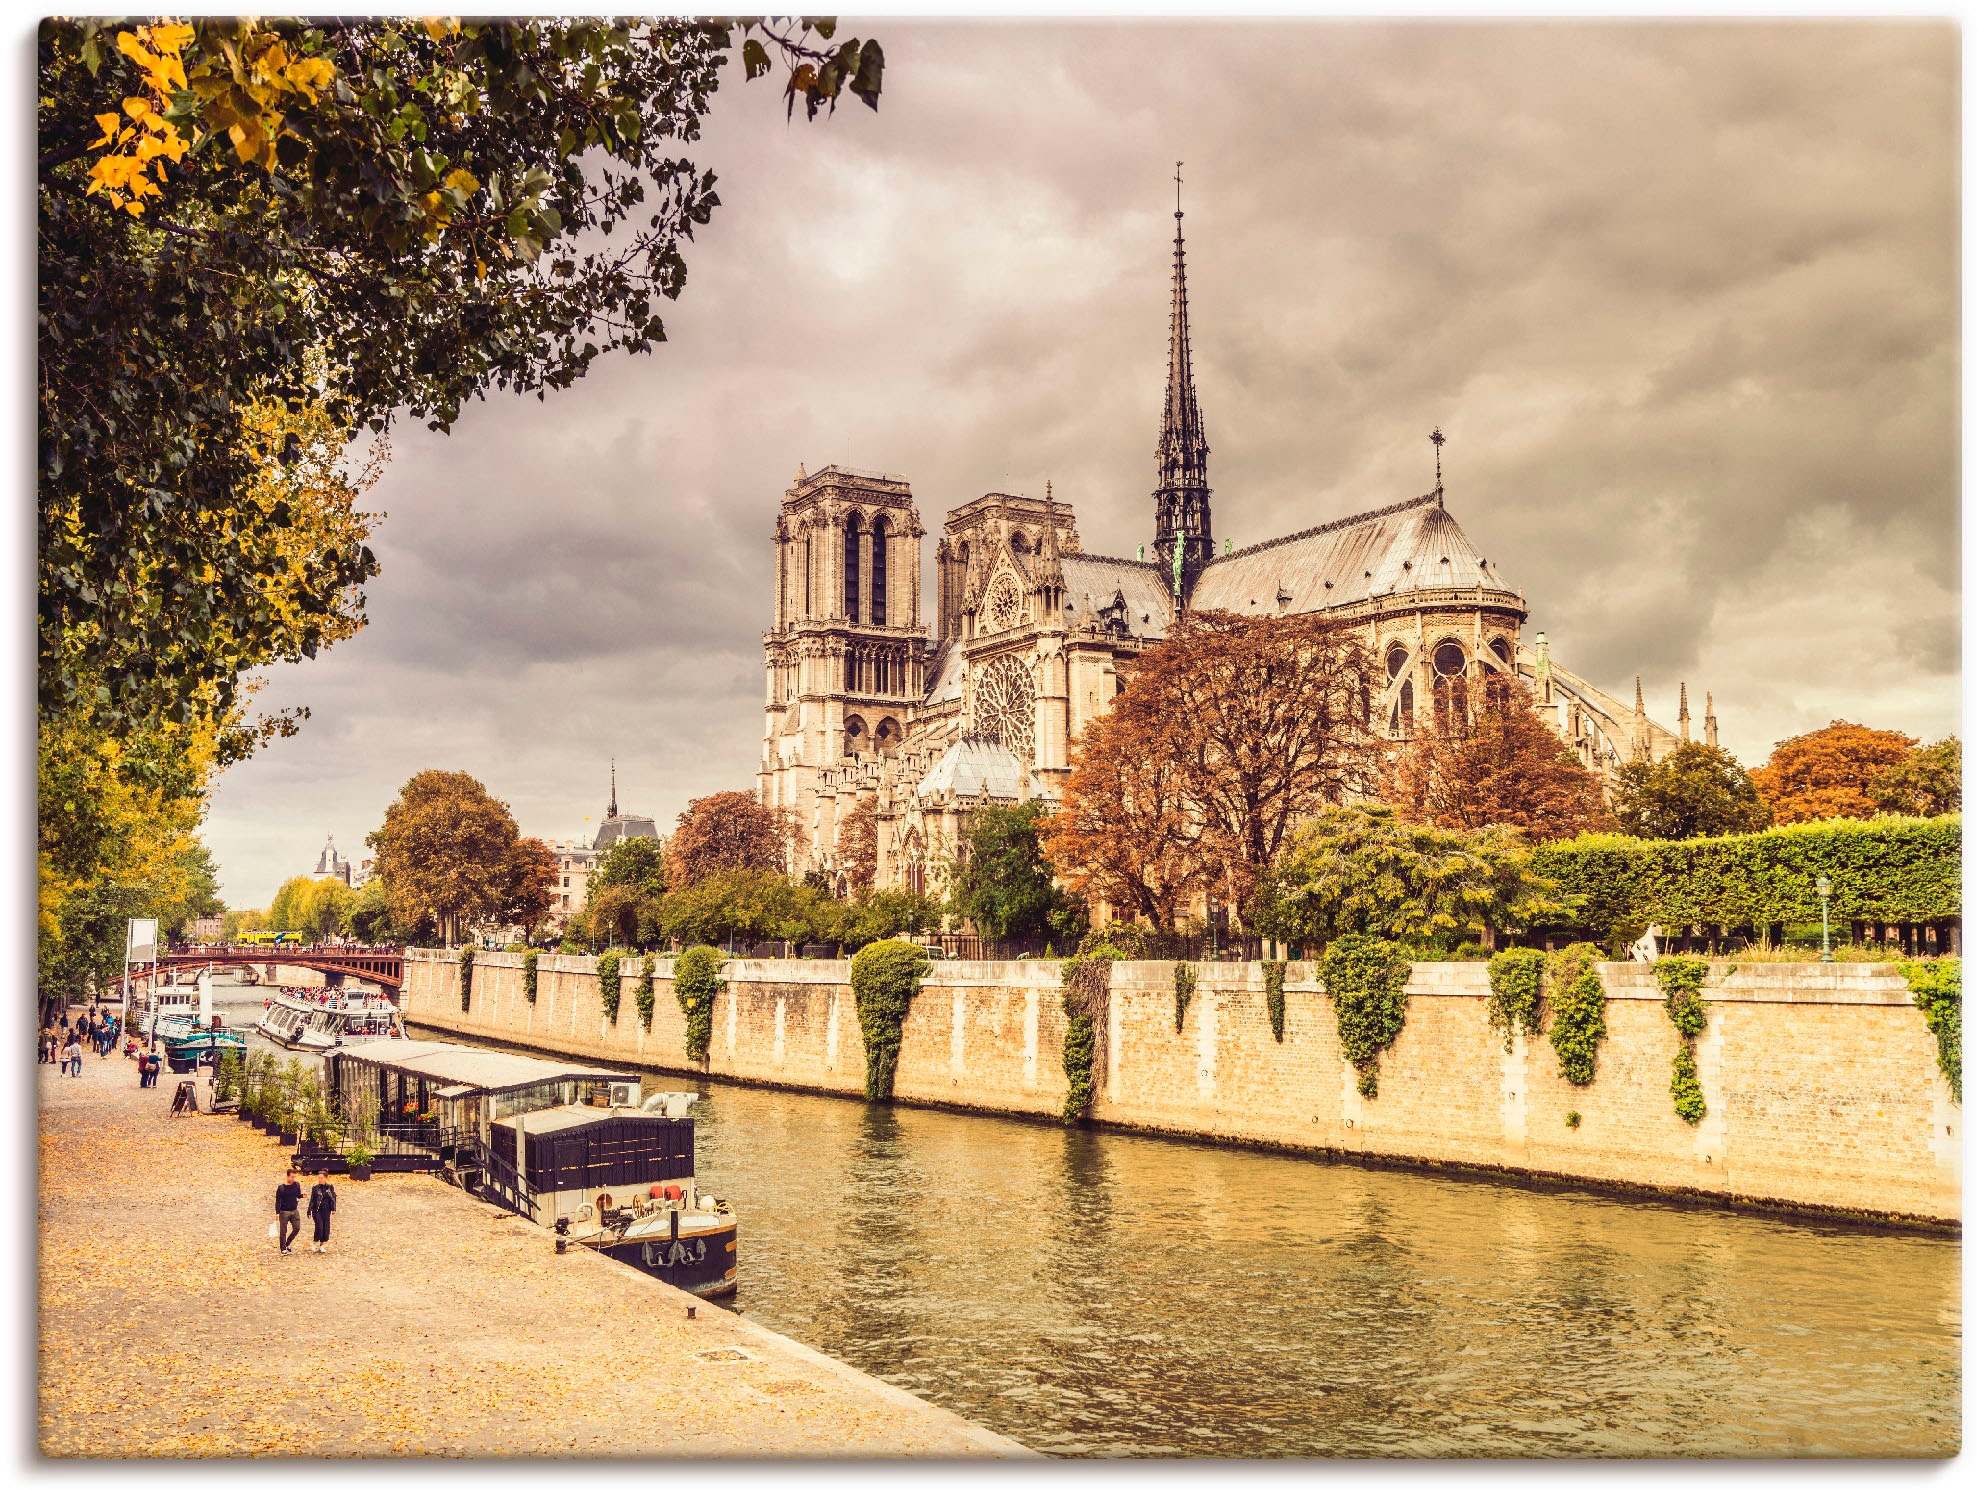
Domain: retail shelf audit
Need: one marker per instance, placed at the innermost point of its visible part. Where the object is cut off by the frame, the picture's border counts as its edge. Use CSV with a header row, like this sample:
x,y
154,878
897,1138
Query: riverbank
x,y
1822,1090
436,1326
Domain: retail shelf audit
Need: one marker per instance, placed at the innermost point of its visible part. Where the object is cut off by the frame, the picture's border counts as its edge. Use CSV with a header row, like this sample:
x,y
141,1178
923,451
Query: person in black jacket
x,y
322,1202
288,1196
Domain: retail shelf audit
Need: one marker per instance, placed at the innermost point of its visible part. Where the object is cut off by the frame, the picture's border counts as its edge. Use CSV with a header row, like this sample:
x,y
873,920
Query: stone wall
x,y
1821,1079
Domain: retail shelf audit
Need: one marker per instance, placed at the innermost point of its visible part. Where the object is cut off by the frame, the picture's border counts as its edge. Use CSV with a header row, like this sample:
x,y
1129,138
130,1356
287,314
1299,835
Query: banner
x,y
143,944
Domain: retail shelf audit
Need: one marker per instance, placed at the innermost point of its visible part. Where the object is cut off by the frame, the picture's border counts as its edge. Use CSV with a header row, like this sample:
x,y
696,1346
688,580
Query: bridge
x,y
384,965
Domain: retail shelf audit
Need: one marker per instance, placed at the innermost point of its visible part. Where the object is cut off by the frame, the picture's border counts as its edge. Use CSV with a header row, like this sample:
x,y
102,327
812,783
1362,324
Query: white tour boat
x,y
327,1019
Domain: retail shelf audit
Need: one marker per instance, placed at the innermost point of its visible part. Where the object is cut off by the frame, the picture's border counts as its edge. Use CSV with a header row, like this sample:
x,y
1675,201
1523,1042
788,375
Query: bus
x,y
270,939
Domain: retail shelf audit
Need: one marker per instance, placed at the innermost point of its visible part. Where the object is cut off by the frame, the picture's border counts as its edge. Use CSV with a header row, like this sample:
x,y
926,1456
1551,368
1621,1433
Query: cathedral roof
x,y
1092,581
1411,546
974,765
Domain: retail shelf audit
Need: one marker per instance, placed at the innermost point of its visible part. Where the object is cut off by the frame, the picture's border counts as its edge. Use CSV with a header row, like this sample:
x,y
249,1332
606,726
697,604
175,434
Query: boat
x,y
574,1148
297,1021
202,1047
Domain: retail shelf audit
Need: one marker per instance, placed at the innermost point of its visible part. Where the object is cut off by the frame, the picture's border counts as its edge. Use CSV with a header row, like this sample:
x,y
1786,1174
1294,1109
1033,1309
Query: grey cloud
x,y
1684,297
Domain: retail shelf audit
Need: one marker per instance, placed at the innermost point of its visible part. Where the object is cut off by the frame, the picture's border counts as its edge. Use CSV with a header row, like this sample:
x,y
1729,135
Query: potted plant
x,y
294,1087
360,1156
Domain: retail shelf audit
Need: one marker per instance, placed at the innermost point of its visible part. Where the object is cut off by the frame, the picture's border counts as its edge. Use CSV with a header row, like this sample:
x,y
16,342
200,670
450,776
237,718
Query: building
x,y
330,864
1029,631
577,858
205,929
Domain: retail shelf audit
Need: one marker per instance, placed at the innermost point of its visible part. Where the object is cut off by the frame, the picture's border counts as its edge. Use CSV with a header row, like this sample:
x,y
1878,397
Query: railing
x,y
499,1181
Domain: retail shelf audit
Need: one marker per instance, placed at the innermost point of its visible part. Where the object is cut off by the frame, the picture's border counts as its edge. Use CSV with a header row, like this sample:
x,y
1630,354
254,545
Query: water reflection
x,y
1107,1294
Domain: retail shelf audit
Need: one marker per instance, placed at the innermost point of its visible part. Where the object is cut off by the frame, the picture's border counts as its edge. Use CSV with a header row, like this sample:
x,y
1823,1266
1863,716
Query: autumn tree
x,y
531,887
423,209
1001,881
1927,783
1225,735
858,845
1364,870
1497,767
450,853
1829,772
314,907
727,830
1695,791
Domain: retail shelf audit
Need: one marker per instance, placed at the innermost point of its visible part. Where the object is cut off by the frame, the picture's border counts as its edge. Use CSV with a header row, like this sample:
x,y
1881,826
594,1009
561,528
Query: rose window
x,y
1006,706
1005,606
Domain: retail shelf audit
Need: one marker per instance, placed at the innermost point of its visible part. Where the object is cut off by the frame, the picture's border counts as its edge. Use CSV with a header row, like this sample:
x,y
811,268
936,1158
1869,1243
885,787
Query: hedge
x,y
1891,869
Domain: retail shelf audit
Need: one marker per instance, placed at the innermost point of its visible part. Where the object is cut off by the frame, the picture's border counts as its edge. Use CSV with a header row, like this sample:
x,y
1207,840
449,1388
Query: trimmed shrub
x,y
1578,1003
885,977
1516,1004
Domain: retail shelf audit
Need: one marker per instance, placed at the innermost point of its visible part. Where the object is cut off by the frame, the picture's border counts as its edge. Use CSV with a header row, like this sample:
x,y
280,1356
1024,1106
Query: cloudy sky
x,y
1683,297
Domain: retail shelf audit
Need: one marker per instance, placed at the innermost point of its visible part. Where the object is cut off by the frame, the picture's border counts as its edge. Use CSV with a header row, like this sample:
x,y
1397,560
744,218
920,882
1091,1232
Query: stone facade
x,y
863,703
1821,1080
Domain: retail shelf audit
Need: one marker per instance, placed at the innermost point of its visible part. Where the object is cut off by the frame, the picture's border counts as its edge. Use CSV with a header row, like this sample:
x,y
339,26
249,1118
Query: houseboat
x,y
313,1020
577,1149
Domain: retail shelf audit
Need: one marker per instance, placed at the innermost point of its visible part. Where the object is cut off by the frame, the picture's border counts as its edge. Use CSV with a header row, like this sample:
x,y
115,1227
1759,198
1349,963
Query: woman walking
x,y
72,1056
322,1203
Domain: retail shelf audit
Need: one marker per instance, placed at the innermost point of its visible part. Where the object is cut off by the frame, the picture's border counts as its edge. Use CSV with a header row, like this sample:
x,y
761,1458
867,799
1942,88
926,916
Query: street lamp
x,y
1824,887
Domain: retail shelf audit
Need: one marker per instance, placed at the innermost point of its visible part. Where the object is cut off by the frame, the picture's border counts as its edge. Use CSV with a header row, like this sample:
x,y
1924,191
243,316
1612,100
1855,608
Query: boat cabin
x,y
580,1131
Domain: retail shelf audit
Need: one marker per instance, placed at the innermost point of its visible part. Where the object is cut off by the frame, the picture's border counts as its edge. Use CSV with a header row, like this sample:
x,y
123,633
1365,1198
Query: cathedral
x,y
1029,633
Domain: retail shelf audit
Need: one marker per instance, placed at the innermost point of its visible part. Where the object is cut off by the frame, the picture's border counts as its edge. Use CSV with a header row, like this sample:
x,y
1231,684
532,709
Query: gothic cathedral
x,y
1029,632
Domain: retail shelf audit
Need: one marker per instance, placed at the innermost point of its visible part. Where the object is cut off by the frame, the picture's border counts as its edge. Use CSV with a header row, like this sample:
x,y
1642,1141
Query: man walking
x,y
322,1203
288,1196
72,1056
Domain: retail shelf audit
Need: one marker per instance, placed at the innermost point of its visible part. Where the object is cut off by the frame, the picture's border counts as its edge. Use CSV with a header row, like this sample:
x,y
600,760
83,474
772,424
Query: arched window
x,y
887,737
1397,658
851,672
852,532
1407,705
855,741
1018,543
1452,692
1501,650
879,536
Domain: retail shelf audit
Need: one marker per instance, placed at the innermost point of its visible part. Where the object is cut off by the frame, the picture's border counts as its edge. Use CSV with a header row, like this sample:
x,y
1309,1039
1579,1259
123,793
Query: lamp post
x,y
1824,887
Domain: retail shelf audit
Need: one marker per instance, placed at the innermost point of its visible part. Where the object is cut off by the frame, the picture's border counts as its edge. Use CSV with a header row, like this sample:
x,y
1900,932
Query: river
x,y
1102,1293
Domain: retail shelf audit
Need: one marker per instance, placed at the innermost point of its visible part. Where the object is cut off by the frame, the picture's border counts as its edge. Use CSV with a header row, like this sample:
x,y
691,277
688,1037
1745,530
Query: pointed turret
x,y
1710,720
1047,575
1181,500
1638,736
612,811
1683,711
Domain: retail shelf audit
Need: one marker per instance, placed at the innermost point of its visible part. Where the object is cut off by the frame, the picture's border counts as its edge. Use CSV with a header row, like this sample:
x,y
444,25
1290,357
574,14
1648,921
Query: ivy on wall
x,y
1184,991
1578,1003
608,984
1681,982
1937,988
466,977
642,994
1274,997
1367,980
529,974
1516,1004
1088,983
696,980
1888,869
885,977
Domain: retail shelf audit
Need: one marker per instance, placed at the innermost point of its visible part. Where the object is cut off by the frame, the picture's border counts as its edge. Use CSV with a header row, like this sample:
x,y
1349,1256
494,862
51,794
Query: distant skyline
x,y
1682,296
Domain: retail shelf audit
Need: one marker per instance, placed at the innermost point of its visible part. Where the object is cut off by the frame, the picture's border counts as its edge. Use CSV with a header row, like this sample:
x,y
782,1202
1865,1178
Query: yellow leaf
x,y
462,181
108,124
171,38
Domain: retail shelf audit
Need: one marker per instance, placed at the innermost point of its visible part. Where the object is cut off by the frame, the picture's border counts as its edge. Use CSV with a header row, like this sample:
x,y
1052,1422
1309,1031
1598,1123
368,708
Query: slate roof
x,y
1411,546
972,764
1091,581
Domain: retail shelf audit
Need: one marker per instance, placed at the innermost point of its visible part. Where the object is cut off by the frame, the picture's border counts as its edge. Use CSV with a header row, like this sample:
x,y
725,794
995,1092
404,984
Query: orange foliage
x,y
727,830
1829,772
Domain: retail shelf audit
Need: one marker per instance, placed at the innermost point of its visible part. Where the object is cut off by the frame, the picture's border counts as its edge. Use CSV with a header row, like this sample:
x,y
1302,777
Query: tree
x,y
449,853
195,892
1695,791
635,863
1829,772
1001,881
748,904
727,830
1225,735
1929,782
1501,767
533,870
1361,870
858,845
235,922
425,208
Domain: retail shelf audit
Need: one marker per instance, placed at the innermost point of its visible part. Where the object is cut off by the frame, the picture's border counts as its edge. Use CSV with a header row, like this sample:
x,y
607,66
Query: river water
x,y
1102,1293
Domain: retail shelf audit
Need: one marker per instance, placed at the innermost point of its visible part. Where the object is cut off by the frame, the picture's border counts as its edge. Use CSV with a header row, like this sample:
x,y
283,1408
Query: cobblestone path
x,y
437,1325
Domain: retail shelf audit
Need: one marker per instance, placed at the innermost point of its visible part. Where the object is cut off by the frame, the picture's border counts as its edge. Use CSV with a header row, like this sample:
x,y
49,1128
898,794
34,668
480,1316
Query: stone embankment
x,y
1821,1079
436,1325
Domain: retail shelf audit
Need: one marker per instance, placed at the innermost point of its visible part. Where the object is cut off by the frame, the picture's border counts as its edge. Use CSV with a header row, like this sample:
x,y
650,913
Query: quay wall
x,y
1821,1079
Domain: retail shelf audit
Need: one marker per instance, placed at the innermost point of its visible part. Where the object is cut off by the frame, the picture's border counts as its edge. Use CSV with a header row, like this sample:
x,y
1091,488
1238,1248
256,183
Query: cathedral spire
x,y
1710,720
1047,574
612,811
1683,711
1181,501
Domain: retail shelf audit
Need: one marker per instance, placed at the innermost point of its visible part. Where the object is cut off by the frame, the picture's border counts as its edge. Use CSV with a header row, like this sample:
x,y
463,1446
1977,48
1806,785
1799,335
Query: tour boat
x,y
691,1248
296,1021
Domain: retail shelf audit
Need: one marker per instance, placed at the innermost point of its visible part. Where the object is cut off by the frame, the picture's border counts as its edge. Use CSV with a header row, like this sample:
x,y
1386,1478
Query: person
x,y
322,1203
288,1195
72,1056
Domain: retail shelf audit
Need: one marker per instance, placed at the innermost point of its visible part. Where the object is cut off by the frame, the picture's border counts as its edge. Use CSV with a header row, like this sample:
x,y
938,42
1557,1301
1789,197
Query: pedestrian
x,y
322,1203
72,1057
288,1196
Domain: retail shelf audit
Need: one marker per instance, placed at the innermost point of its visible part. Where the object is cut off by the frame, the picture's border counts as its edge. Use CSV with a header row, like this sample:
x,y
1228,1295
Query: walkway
x,y
436,1326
